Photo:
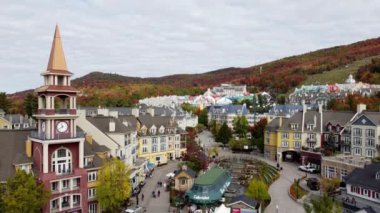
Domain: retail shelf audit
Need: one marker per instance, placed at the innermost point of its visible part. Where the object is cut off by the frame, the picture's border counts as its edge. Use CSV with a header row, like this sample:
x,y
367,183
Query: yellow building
x,y
5,124
160,139
271,139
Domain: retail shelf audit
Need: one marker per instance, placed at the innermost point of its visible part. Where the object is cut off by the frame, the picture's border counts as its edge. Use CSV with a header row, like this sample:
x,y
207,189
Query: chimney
x,y
150,111
88,138
360,108
21,119
114,114
280,121
315,120
303,115
112,126
135,112
28,148
125,122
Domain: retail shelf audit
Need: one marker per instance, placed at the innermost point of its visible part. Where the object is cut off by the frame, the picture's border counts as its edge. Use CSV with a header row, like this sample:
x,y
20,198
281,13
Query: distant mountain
x,y
277,77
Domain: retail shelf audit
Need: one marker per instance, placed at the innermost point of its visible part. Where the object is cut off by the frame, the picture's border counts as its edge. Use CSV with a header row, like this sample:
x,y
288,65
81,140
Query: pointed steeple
x,y
57,62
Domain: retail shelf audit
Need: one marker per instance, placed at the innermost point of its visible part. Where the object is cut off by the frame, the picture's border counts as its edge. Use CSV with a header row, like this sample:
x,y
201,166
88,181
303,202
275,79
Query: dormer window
x,y
310,126
378,175
330,127
88,161
153,130
293,126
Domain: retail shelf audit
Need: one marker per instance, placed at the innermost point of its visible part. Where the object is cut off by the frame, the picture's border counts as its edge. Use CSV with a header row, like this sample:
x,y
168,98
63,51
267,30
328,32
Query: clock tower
x,y
57,147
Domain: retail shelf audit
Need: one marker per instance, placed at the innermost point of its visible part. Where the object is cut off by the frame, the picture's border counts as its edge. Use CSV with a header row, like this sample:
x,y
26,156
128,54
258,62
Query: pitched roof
x,y
243,198
102,123
274,124
56,88
335,118
57,61
365,177
12,151
373,116
189,171
229,109
92,149
129,121
158,121
210,176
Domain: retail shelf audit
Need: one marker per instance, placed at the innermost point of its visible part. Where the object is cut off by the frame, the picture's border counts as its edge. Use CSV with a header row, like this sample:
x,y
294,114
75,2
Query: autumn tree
x,y
240,124
323,205
114,186
5,103
257,133
22,193
329,185
258,190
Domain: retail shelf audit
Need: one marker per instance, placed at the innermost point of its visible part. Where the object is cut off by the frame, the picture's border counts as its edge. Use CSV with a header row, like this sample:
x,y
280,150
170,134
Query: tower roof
x,y
57,62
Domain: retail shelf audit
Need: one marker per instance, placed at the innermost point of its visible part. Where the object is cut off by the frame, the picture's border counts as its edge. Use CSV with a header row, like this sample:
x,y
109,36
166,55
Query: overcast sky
x,y
162,37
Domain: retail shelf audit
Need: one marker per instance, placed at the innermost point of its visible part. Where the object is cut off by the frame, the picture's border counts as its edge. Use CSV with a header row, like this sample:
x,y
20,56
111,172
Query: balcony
x,y
308,140
62,111
64,172
43,136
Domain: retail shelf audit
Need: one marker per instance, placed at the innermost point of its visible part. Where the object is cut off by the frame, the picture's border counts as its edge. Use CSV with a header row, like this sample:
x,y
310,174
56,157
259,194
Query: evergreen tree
x,y
203,117
224,134
241,126
30,104
5,103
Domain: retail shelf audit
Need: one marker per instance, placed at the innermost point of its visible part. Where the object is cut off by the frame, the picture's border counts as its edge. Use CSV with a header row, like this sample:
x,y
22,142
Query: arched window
x,y
61,161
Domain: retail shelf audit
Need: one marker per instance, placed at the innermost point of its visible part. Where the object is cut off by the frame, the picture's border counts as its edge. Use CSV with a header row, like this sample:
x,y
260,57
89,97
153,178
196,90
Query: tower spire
x,y
57,60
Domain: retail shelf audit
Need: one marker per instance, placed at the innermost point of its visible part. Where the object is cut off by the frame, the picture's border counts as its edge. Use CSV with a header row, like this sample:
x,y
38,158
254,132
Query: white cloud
x,y
161,37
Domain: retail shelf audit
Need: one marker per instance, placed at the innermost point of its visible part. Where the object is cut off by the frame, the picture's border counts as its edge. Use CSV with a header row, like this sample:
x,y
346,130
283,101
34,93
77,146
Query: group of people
x,y
154,193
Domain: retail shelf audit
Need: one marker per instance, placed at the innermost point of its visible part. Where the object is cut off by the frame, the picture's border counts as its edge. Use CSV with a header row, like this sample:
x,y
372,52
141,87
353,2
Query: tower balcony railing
x,y
62,111
44,136
57,111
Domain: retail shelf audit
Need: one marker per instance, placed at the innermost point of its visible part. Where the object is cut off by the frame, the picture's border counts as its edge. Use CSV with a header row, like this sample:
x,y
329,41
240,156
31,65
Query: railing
x,y
311,140
43,136
65,172
62,111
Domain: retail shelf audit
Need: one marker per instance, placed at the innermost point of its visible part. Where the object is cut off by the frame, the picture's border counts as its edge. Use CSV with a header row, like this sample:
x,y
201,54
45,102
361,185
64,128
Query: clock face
x,y
43,126
62,126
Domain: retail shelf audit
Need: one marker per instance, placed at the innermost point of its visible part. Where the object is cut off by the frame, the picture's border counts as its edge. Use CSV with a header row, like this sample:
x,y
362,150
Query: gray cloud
x,y
162,37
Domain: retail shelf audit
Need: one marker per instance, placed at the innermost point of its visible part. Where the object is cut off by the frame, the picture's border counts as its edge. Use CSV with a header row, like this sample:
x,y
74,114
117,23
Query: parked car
x,y
138,209
308,168
313,184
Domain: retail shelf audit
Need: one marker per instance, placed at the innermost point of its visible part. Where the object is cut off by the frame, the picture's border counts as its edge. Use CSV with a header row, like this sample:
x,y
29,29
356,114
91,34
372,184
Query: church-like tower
x,y
57,147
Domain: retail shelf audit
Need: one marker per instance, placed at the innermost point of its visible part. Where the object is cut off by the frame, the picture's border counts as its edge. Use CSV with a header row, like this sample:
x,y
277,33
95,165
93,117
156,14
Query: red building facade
x,y
57,147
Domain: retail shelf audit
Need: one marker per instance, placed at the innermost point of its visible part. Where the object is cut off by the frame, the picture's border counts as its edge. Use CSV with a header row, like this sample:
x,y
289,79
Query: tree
x,y
324,205
258,190
5,103
240,126
224,134
23,194
188,107
329,185
257,133
114,186
30,104
203,117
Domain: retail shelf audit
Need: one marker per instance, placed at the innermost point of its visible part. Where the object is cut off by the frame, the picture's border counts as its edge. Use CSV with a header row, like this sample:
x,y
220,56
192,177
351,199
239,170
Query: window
x,y
25,168
326,137
65,184
144,149
54,204
163,147
284,144
154,140
92,208
92,176
297,135
370,142
91,193
61,161
310,126
357,141
154,148
76,200
357,151
87,161
183,181
311,137
357,132
297,144
378,175
370,153
337,128
285,135
76,182
177,138
330,172
343,173
163,139
370,133
144,141
293,126
54,186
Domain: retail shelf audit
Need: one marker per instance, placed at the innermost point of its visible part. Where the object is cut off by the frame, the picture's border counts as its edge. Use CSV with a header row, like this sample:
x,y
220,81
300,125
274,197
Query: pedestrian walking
x,y
137,199
142,197
158,193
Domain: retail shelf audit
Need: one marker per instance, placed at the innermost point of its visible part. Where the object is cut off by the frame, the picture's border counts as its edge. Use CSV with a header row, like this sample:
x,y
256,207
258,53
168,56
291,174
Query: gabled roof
x,y
210,176
365,177
373,118
333,117
158,121
275,124
130,120
12,151
188,171
56,88
229,109
244,199
57,61
102,123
